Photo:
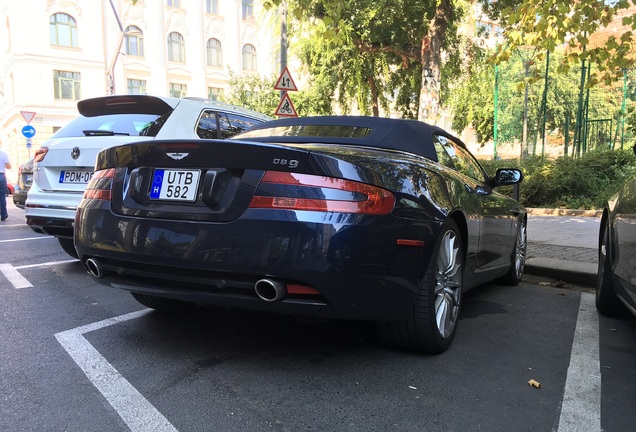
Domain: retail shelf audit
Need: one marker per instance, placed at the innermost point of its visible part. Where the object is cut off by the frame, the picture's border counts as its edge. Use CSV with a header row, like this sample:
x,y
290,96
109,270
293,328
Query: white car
x,y
65,163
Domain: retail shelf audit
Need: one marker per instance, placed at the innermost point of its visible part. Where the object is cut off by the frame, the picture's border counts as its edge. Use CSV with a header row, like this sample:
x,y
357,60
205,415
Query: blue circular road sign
x,y
28,131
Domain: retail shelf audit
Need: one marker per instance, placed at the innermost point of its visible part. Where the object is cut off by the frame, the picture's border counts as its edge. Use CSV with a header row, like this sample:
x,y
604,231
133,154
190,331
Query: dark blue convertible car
x,y
332,217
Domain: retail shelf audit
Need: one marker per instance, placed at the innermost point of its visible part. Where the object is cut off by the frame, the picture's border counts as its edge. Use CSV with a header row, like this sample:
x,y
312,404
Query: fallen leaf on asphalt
x,y
559,284
544,283
535,384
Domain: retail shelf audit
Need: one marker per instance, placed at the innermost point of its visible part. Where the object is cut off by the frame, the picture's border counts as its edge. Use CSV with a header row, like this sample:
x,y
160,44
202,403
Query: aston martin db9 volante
x,y
616,283
331,217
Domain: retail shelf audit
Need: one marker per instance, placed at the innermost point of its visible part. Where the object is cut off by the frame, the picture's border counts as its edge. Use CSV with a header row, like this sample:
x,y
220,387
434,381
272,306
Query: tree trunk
x,y
432,62
374,96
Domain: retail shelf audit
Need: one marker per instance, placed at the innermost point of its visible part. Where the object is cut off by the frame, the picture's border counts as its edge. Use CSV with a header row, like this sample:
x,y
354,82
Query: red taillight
x,y
107,173
97,194
40,154
375,200
97,189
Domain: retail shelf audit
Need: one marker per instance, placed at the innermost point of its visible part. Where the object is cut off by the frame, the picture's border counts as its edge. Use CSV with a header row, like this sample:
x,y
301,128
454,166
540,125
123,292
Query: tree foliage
x,y
548,25
257,92
374,54
471,96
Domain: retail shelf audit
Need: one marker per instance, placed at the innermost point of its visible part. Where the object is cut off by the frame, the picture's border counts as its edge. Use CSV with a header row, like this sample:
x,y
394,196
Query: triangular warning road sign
x,y
28,116
286,107
285,81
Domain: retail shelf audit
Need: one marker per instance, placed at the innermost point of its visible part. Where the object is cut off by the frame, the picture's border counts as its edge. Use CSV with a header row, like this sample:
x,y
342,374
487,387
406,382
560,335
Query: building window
x,y
136,86
248,9
215,54
249,58
178,90
63,29
173,3
176,47
214,93
134,41
66,85
212,7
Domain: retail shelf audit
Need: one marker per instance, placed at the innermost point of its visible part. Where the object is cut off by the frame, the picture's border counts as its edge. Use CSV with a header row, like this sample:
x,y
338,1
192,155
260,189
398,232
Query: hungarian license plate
x,y
175,185
77,176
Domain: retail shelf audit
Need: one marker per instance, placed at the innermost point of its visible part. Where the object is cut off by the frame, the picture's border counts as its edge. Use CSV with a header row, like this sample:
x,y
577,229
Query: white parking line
x,y
7,225
581,407
46,264
19,281
16,279
135,410
27,238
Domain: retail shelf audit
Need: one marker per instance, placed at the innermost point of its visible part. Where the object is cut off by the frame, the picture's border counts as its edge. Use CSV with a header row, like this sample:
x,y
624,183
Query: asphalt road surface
x,y
75,356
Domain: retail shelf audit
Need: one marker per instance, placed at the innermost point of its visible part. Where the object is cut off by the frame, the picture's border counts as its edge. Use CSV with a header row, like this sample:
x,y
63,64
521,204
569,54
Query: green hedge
x,y
584,182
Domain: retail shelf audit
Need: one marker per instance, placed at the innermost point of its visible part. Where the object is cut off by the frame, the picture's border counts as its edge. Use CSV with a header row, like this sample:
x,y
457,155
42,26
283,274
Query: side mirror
x,y
508,176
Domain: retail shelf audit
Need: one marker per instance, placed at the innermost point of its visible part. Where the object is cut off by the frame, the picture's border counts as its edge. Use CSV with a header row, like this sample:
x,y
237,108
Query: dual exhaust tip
x,y
269,290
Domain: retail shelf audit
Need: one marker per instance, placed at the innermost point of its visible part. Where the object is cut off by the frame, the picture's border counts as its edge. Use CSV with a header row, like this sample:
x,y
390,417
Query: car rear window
x,y
114,124
332,131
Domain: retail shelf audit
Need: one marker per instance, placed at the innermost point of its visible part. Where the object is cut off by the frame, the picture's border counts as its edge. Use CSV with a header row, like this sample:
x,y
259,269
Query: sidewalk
x,y
562,245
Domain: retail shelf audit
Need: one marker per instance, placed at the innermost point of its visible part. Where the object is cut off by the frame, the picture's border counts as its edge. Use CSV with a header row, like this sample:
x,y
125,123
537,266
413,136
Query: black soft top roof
x,y
410,136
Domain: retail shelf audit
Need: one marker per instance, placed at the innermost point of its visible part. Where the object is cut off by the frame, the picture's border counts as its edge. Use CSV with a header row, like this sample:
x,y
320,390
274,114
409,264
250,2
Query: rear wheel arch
x,y
460,220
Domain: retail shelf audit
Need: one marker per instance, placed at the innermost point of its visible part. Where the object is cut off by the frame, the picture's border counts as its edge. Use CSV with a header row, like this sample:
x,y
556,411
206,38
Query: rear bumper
x,y
51,213
352,271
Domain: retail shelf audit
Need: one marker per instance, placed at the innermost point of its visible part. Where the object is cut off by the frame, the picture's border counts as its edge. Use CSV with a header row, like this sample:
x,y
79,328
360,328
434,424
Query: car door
x,y
491,217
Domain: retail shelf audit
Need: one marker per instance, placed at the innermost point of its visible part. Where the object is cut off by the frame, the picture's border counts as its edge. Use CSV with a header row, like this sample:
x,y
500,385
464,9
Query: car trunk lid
x,y
208,180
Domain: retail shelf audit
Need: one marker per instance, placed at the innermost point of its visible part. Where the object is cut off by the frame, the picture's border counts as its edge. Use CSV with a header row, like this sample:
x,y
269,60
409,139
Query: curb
x,y
567,271
564,212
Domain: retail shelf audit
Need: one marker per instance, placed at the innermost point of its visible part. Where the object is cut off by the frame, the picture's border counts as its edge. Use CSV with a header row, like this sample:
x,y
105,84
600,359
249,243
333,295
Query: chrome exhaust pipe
x,y
270,290
94,268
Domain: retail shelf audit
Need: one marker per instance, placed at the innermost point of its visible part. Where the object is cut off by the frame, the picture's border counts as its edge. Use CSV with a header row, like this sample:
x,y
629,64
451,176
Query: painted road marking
x,y
46,264
14,276
7,225
135,410
26,238
581,408
19,281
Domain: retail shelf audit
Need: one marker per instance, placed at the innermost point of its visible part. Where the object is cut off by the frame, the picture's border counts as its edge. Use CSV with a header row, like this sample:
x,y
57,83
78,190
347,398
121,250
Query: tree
x,y
548,25
252,91
471,97
257,92
358,48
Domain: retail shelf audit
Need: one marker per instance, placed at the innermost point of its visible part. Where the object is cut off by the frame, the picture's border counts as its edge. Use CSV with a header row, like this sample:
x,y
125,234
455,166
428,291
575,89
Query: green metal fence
x,y
561,110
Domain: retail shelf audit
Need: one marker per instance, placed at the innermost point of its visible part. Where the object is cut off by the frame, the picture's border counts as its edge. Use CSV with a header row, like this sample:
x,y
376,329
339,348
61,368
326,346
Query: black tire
x,y
159,303
607,302
440,293
518,256
68,246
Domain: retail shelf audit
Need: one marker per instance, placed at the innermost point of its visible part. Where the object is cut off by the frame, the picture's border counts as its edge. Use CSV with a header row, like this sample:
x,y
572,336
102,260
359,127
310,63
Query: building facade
x,y
54,53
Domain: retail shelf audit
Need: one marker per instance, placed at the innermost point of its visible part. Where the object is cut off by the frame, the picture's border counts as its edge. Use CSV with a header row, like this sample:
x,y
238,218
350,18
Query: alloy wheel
x,y
448,284
520,249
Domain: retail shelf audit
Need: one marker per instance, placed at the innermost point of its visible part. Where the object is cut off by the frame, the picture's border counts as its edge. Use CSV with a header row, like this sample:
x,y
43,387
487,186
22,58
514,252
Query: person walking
x,y
4,166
